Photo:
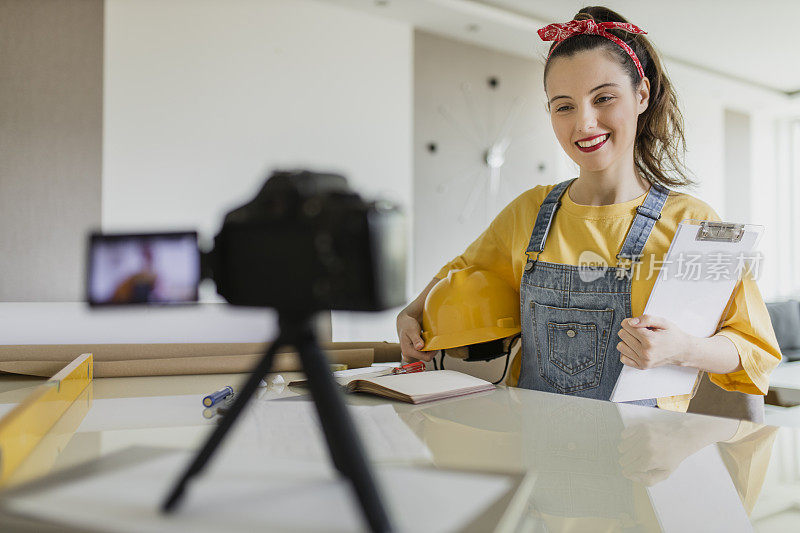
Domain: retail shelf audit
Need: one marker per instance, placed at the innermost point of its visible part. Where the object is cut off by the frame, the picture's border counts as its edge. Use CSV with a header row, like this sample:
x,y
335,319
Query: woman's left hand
x,y
649,341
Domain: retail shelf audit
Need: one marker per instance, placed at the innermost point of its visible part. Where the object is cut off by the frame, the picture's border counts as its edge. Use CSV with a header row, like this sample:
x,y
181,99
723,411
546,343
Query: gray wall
x,y
738,161
50,144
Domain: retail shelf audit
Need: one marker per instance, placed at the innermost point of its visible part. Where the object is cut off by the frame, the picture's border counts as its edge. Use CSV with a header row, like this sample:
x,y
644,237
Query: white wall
x,y
204,98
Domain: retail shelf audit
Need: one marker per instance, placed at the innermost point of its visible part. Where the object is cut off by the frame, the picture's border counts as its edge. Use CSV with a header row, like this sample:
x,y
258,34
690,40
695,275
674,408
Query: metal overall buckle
x,y
531,262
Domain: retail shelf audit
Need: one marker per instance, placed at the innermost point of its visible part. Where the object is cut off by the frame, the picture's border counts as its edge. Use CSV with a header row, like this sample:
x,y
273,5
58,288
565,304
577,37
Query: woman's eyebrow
x,y
553,99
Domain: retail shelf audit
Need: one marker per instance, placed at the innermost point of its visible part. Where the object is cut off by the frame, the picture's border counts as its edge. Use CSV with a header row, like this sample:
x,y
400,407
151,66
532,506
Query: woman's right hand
x,y
409,331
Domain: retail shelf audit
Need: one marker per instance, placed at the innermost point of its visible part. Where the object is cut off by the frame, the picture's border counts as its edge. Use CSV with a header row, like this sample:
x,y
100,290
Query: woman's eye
x,y
601,100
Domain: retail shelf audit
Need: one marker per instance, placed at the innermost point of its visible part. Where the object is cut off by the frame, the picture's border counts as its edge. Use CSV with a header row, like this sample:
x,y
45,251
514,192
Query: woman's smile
x,y
590,144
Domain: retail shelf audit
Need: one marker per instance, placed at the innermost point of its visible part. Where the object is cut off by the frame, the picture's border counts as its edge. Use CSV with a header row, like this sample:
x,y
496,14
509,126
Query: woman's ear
x,y
643,95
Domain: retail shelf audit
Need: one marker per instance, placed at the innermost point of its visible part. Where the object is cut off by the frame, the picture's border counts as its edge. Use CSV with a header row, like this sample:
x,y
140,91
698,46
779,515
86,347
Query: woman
x,y
615,114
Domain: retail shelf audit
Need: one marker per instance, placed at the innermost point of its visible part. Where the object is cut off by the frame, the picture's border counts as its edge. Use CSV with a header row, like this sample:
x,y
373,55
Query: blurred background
x,y
148,115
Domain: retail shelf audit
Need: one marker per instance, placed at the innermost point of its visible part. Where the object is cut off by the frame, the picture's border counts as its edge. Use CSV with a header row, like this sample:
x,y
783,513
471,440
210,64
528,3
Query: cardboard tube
x,y
122,360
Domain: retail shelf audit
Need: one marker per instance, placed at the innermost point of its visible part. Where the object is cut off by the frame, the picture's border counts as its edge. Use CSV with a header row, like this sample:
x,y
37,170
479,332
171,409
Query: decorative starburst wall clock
x,y
491,133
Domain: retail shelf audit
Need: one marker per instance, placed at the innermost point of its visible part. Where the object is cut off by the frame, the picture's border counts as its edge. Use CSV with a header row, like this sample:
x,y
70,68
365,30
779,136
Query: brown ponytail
x,y
660,143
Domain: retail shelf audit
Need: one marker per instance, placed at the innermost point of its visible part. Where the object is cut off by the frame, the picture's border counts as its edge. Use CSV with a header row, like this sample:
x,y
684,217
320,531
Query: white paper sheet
x,y
352,373
246,493
343,377
280,428
108,414
291,429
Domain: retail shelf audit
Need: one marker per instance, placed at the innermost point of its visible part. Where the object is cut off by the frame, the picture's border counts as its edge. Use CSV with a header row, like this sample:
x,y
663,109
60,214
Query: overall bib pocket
x,y
571,345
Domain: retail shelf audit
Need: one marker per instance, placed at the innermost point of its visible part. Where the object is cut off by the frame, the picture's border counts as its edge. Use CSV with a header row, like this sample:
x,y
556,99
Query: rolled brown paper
x,y
385,352
122,360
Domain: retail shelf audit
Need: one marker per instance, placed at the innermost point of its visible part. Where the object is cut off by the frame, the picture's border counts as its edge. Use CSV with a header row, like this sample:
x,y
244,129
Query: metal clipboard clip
x,y
720,231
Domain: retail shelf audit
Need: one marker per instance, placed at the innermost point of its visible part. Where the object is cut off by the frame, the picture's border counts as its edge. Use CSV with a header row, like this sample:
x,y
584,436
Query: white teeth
x,y
596,140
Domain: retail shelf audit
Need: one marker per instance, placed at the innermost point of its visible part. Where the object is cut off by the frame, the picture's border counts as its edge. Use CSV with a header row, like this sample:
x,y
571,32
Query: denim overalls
x,y
569,320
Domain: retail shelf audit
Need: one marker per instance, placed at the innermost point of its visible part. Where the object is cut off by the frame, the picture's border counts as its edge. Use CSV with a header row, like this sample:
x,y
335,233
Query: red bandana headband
x,y
559,32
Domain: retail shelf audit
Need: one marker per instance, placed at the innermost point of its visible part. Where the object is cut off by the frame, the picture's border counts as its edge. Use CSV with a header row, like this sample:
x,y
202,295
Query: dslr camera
x,y
306,242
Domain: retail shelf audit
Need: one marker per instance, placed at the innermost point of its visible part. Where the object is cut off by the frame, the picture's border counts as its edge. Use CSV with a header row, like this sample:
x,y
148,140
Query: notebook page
x,y
430,382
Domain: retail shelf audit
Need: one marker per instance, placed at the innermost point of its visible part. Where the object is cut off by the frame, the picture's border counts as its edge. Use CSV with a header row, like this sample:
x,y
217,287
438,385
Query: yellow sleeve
x,y
750,329
491,251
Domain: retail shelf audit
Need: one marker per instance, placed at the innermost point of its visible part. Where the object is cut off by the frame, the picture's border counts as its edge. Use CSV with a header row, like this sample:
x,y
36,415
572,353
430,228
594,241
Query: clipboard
x,y
694,290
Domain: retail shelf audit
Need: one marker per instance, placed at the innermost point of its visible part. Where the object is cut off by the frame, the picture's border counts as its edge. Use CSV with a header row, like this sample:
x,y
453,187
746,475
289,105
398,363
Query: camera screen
x,y
160,268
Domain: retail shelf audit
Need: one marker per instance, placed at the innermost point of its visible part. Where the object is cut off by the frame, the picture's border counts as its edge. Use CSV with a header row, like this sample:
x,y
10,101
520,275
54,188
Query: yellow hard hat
x,y
469,306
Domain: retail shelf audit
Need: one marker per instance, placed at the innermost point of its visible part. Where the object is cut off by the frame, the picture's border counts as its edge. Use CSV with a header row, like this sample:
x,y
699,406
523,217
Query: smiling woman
x,y
615,114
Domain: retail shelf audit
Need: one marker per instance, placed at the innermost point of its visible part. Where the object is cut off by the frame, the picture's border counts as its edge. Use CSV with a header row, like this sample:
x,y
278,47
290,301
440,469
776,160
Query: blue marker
x,y
215,397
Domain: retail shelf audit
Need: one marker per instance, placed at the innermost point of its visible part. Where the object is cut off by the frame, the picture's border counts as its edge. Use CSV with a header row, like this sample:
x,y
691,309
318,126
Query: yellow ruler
x,y
28,423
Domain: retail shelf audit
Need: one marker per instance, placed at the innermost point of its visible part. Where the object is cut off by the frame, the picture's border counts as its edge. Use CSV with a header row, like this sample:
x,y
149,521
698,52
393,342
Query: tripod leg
x,y
344,443
224,425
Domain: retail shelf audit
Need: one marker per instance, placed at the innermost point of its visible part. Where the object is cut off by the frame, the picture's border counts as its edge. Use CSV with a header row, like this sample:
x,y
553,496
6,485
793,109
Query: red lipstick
x,y
596,146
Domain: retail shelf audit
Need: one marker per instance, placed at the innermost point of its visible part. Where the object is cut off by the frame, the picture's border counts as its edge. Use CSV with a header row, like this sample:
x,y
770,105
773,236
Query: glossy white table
x,y
587,465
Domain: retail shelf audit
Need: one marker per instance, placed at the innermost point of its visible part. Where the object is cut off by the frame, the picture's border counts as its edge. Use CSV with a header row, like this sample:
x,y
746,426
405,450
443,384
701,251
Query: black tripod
x,y
344,445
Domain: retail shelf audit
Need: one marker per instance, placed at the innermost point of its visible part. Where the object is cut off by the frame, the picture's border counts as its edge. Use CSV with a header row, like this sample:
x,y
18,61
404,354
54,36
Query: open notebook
x,y
419,387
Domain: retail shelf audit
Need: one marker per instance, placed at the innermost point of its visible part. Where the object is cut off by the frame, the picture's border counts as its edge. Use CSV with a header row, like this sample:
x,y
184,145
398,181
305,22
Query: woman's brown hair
x,y
660,144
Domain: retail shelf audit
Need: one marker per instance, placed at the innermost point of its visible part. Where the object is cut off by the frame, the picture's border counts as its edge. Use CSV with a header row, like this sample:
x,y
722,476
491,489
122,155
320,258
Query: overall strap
x,y
544,220
646,216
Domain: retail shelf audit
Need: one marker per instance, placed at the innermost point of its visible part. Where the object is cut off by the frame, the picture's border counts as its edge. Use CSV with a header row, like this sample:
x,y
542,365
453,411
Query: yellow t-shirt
x,y
602,229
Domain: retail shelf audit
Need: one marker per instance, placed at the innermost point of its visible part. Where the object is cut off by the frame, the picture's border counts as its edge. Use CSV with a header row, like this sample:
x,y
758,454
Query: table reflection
x,y
600,466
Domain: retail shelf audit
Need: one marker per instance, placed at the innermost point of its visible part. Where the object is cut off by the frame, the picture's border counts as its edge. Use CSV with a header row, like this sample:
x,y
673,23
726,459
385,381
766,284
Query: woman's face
x,y
594,109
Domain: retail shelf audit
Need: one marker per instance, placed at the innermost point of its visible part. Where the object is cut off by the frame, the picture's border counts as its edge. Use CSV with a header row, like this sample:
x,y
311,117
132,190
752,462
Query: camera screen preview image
x,y
144,269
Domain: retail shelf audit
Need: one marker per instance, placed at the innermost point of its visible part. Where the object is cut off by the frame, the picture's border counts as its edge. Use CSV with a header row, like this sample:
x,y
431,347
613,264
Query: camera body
x,y
306,242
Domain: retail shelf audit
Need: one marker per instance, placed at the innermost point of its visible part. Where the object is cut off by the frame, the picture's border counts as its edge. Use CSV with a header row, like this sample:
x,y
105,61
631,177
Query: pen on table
x,y
215,397
221,400
410,368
